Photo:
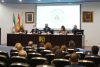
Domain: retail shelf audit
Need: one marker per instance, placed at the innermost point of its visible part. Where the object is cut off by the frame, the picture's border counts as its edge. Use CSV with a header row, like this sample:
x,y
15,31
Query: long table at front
x,y
54,39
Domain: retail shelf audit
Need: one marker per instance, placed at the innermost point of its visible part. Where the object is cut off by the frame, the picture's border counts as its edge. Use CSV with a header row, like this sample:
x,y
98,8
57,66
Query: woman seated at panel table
x,y
21,29
63,30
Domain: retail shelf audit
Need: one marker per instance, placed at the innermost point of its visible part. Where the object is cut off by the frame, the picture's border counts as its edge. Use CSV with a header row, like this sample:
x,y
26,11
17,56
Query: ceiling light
x,y
20,0
39,0
2,0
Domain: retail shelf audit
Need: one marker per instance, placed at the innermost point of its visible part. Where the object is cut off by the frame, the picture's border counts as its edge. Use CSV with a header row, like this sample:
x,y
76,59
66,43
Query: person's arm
x,y
44,30
31,31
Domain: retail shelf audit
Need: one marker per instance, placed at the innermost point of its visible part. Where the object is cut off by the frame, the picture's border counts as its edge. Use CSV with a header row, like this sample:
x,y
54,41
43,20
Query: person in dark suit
x,y
74,28
94,51
35,30
47,29
21,29
30,45
74,58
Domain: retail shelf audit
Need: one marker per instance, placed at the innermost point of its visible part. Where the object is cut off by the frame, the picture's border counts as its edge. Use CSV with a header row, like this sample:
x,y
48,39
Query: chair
x,y
25,48
82,54
13,50
45,66
50,57
86,63
30,51
19,65
95,59
14,54
5,54
37,61
4,59
2,64
64,53
60,62
40,49
30,55
19,59
67,56
44,52
71,50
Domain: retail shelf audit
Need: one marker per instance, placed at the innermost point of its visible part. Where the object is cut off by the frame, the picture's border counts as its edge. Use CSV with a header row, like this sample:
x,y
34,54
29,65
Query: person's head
x,y
34,26
75,27
55,48
41,44
21,26
58,54
71,43
46,25
63,28
30,43
74,58
48,46
19,47
95,49
63,48
22,53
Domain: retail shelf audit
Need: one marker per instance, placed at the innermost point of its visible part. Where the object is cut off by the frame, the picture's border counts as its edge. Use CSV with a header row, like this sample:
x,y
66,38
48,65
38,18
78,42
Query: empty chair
x,y
50,57
13,50
19,65
95,59
19,59
2,64
37,61
82,54
86,63
44,52
45,66
5,54
71,50
30,55
67,56
30,51
40,49
60,62
14,54
64,52
4,59
25,48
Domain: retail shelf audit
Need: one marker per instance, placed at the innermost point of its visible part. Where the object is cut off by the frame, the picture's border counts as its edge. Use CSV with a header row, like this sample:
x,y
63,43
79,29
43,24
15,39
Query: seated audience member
x,y
35,30
55,48
15,47
74,28
63,48
21,29
19,47
74,58
30,44
48,46
22,53
94,51
47,29
58,54
71,44
41,45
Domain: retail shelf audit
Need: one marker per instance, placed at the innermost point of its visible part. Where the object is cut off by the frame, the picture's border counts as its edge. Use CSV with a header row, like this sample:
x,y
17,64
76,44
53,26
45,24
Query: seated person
x,y
22,53
72,45
63,30
58,54
19,47
55,48
15,47
34,30
48,46
30,44
64,48
47,29
94,51
74,28
41,45
74,58
21,29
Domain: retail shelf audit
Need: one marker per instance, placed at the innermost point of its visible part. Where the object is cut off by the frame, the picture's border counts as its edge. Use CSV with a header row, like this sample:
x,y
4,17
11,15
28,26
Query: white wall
x,y
92,30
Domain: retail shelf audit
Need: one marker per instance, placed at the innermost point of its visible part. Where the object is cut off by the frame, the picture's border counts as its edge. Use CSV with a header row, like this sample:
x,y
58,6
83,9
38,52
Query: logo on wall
x,y
41,38
57,15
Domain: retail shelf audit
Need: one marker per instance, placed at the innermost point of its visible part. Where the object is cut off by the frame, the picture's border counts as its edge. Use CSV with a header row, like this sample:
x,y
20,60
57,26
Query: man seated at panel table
x,y
74,28
94,51
35,30
47,29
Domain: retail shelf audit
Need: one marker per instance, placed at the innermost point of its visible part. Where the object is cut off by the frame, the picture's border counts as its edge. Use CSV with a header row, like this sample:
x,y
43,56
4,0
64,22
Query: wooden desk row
x,y
54,39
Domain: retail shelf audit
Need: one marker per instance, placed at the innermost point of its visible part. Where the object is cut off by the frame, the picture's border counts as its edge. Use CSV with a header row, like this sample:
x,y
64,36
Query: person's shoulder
x,y
68,66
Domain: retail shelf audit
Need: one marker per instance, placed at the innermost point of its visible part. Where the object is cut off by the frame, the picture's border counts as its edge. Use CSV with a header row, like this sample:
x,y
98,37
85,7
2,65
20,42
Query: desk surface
x,y
54,39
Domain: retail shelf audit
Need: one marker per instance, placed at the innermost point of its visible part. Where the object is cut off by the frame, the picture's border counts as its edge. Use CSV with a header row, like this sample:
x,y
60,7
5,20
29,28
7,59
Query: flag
x,y
13,28
18,24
